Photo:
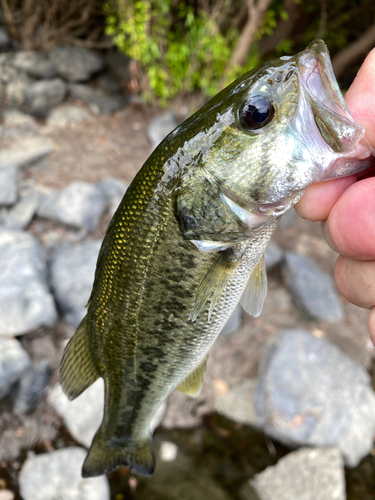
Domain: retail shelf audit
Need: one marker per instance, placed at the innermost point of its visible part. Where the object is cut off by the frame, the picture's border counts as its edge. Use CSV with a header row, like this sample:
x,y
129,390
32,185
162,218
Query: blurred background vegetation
x,y
179,46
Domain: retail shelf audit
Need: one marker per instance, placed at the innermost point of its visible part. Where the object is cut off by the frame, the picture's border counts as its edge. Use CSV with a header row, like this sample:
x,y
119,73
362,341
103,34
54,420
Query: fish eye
x,y
256,112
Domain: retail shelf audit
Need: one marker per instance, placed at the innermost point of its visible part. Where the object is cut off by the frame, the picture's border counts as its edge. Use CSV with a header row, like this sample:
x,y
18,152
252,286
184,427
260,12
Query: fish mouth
x,y
332,118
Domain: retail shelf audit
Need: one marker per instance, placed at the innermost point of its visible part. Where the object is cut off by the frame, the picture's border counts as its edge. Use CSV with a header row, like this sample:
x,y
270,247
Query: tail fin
x,y
77,370
103,457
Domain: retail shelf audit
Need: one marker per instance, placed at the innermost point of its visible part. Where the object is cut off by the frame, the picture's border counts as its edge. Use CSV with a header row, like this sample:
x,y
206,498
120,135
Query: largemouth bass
x,y
188,239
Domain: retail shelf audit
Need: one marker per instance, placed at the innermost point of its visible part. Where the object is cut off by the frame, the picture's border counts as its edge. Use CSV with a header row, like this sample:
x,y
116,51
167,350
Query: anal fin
x,y
192,384
77,370
256,290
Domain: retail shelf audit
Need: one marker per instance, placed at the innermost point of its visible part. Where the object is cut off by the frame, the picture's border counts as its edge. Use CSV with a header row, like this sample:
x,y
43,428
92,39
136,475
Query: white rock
x,y
57,476
13,362
307,474
83,415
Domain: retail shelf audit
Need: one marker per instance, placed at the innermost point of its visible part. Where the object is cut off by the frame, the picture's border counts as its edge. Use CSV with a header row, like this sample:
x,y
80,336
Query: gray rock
x,y
14,360
57,475
8,185
83,415
41,96
25,301
238,403
112,188
18,119
288,219
36,64
80,205
76,64
20,216
66,115
273,255
106,84
4,40
98,104
119,66
234,323
307,474
313,291
26,152
72,276
160,127
27,393
309,393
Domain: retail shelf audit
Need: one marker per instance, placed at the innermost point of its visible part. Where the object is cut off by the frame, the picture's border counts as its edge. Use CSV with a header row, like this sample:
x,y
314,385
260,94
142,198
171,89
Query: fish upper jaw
x,y
329,118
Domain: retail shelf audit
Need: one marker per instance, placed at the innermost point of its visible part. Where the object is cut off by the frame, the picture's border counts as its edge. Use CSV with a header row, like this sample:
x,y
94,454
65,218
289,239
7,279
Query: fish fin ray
x,y
213,283
256,290
77,370
103,457
192,384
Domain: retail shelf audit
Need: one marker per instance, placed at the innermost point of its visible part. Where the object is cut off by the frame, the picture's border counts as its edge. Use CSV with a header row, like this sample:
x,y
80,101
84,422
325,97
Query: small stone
x,y
160,127
41,96
83,415
313,291
26,152
8,185
18,119
310,393
168,451
72,277
14,360
20,216
36,64
98,104
4,40
25,301
273,255
54,475
81,205
76,64
66,115
6,495
234,323
30,388
307,474
238,404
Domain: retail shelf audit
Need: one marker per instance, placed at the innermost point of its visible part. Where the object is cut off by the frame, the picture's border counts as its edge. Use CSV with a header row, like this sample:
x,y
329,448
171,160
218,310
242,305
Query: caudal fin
x,y
103,457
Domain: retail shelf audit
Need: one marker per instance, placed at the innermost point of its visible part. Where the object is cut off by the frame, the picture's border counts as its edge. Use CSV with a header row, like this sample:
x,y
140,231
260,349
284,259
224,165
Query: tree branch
x,y
351,53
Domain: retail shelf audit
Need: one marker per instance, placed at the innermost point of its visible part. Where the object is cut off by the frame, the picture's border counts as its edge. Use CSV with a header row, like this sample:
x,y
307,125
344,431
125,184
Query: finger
x,y
356,281
360,97
350,228
319,199
371,325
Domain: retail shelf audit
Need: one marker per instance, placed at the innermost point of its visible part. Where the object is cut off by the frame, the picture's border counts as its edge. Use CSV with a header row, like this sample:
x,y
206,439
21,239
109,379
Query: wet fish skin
x,y
189,233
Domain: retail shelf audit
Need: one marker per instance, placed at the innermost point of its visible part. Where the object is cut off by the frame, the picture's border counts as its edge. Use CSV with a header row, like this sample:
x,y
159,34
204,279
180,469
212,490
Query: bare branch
x,y
351,53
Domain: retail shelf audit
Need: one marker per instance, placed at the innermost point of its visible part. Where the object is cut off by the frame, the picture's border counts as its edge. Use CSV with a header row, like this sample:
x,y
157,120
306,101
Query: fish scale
x,y
187,242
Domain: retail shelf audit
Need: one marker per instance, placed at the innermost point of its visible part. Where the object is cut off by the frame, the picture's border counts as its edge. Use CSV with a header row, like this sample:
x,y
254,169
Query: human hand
x,y
347,207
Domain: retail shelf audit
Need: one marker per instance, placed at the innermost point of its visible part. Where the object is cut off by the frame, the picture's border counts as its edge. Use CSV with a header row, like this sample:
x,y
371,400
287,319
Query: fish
x,y
187,242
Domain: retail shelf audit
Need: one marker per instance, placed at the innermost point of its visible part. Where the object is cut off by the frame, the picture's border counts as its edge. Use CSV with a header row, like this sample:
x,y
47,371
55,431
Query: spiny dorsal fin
x,y
256,290
77,371
214,282
192,384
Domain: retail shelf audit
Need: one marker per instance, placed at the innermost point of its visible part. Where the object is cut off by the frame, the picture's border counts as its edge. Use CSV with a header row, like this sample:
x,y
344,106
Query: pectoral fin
x,y
256,290
214,282
192,384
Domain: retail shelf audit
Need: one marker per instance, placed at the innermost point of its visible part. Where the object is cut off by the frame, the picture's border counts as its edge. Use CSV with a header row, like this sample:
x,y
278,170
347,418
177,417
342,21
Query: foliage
x,y
179,46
